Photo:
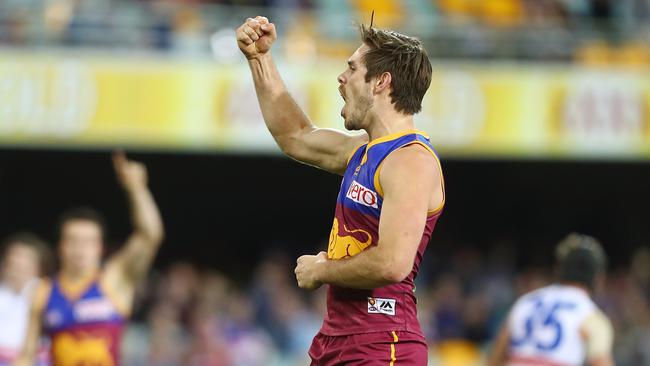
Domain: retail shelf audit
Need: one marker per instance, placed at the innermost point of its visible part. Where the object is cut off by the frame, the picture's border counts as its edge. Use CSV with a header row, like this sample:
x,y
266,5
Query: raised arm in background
x,y
126,268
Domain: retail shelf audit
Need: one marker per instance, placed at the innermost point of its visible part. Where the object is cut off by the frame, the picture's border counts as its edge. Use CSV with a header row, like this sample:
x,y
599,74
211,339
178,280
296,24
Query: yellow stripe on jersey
x,y
380,191
392,349
395,135
347,162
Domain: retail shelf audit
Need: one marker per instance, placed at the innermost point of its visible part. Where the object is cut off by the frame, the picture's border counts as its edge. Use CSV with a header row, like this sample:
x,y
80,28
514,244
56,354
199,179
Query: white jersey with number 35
x,y
557,325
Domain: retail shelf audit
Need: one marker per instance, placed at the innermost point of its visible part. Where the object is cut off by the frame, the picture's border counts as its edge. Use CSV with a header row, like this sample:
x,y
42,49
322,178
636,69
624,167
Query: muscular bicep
x,y
132,262
126,269
408,178
294,133
325,148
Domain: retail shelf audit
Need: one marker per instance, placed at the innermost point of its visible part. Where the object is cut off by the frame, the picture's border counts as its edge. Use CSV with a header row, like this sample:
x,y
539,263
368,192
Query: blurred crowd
x,y
604,31
197,317
192,317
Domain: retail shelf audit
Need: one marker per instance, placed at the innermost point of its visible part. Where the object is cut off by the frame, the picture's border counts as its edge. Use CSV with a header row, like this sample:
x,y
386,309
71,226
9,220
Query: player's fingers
x,y
268,29
254,25
262,20
119,154
251,33
119,158
243,37
246,40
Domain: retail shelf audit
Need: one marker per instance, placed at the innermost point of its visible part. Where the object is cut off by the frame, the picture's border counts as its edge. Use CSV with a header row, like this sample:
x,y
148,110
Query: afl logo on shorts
x,y
377,305
360,194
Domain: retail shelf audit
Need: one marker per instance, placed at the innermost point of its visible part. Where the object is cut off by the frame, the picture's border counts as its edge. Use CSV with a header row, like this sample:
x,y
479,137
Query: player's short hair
x,y
81,214
579,259
32,241
405,59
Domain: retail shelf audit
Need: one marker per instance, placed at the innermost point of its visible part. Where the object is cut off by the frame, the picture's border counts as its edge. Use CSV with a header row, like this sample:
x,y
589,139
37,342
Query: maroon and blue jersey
x,y
85,329
356,228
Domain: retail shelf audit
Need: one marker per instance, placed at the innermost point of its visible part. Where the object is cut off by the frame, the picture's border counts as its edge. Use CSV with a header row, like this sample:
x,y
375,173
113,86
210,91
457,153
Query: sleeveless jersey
x,y
14,317
544,327
85,329
355,228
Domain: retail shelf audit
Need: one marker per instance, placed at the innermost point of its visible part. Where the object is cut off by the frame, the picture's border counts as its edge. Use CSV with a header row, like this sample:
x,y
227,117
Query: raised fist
x,y
131,175
255,37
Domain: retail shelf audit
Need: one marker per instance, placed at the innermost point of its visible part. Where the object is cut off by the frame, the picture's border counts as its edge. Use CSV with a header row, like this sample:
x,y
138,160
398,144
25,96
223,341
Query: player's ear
x,y
382,82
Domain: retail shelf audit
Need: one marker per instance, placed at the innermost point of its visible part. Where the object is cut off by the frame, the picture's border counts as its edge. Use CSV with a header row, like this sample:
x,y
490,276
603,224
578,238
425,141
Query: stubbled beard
x,y
356,117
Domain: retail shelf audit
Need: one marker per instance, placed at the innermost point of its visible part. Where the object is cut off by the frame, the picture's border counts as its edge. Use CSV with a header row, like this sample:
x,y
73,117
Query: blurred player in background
x,y
23,258
391,195
84,307
559,325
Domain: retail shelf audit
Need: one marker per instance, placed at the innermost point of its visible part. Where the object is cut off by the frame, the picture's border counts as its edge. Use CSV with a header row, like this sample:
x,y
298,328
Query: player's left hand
x,y
132,175
307,270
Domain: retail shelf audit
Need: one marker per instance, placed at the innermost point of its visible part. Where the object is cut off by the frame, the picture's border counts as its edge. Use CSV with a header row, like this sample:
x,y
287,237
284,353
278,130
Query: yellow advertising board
x,y
470,110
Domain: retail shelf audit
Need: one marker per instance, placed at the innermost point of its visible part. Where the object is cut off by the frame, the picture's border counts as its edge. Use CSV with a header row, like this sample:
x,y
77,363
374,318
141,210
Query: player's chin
x,y
346,122
348,125
351,125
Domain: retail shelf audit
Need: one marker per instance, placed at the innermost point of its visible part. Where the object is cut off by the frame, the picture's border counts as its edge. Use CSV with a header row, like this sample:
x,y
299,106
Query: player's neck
x,y
577,285
74,275
389,122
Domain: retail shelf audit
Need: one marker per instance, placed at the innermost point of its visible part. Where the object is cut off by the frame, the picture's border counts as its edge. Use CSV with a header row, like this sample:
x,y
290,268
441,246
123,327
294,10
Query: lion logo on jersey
x,y
71,351
346,245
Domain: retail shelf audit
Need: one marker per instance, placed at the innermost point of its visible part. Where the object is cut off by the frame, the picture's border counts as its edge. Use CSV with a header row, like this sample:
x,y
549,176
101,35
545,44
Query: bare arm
x,y
599,338
602,361
129,265
403,217
27,356
499,354
294,133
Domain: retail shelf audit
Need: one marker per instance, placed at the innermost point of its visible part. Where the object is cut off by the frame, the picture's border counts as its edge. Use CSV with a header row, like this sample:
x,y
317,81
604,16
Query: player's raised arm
x,y
131,263
294,133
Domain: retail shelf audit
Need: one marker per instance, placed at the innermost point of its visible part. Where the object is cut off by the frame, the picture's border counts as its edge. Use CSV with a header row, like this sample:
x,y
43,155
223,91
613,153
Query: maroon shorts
x,y
369,349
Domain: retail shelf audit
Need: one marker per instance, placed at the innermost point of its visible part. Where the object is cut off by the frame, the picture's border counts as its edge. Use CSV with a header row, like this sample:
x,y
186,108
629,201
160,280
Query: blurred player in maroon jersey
x,y
391,196
83,309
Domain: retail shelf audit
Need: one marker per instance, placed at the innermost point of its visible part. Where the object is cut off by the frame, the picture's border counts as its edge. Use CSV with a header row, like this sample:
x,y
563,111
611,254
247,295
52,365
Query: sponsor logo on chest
x,y
362,195
94,310
91,310
378,305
